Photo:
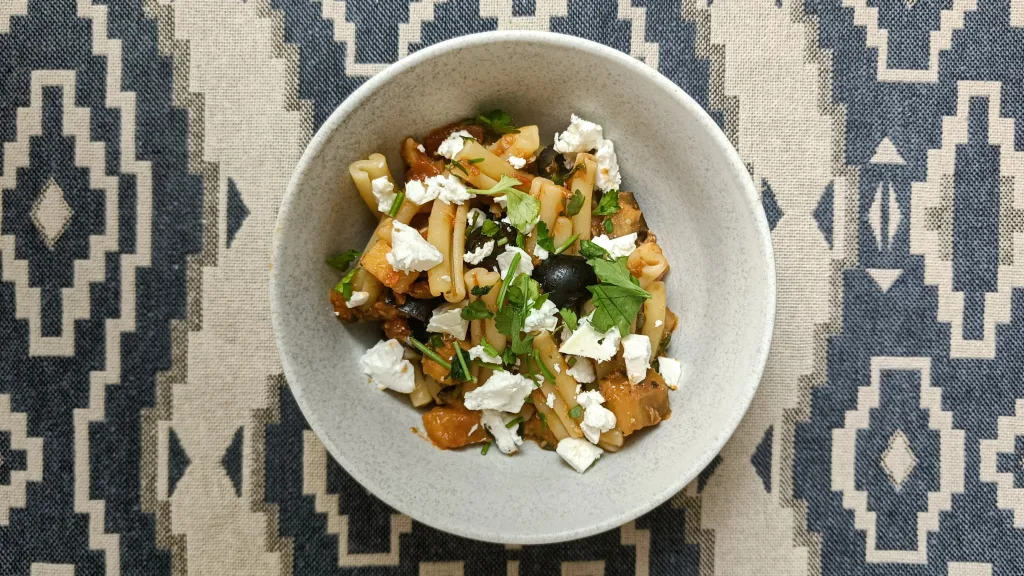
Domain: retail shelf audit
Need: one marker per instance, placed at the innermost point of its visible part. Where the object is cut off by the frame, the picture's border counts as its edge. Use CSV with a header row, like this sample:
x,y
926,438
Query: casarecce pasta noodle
x,y
520,292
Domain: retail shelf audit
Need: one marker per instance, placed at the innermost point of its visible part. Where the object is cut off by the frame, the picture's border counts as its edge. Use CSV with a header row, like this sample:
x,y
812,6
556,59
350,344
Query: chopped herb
x,y
617,274
489,228
458,165
615,307
502,187
502,241
520,241
608,205
570,318
543,367
508,280
575,204
489,349
663,346
544,239
498,122
487,446
567,244
477,310
481,290
396,204
508,357
522,345
543,420
571,361
345,284
514,422
489,365
609,227
528,400
460,370
342,260
590,250
475,160
561,179
540,301
523,209
436,341
429,353
576,412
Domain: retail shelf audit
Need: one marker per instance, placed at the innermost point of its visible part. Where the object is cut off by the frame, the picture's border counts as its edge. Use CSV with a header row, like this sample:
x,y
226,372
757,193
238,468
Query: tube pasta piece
x,y
420,395
572,428
647,263
654,316
490,166
583,180
612,440
551,357
483,328
439,233
562,232
550,417
375,262
457,292
364,172
522,145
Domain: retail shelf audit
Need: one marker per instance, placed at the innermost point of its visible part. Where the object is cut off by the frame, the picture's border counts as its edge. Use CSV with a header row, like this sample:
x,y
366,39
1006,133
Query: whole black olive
x,y
565,279
549,162
418,329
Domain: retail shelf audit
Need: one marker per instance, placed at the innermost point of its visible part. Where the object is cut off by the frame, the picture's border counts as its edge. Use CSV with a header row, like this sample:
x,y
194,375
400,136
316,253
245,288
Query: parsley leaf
x,y
475,161
616,307
523,209
590,250
476,310
570,318
481,290
576,412
544,239
497,121
489,228
460,370
575,204
345,284
609,226
342,260
543,420
608,205
436,341
616,274
540,301
561,179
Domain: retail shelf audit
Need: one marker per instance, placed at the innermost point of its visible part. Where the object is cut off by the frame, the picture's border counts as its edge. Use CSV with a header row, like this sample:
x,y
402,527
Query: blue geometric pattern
x,y
144,424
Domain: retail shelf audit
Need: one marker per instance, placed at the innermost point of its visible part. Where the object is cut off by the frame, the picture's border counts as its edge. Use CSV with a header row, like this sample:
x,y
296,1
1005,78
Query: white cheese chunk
x,y
580,136
608,177
453,144
384,192
558,368
409,251
507,439
582,371
636,351
446,188
448,320
505,260
579,453
475,218
416,192
477,256
658,323
596,418
478,353
358,299
586,341
543,318
617,247
386,367
540,252
421,148
503,391
550,400
671,370
517,162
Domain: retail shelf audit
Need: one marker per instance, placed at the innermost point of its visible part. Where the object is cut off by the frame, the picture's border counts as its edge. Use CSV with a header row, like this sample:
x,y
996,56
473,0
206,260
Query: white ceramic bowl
x,y
696,196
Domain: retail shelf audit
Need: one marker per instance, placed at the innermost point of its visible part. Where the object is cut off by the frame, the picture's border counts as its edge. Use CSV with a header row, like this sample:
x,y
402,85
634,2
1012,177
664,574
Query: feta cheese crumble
x,y
448,320
658,323
596,418
580,136
446,188
410,252
507,439
475,218
358,299
543,318
421,148
608,176
540,252
453,144
617,247
550,400
478,353
386,367
384,192
474,428
582,371
586,341
671,370
477,256
503,391
636,351
579,453
505,260
517,162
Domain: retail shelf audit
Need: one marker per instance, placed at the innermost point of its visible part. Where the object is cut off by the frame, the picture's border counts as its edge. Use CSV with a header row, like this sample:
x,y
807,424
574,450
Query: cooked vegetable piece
x,y
639,406
453,426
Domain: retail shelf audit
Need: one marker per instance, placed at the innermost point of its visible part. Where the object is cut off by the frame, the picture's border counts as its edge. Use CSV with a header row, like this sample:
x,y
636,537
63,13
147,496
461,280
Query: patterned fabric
x,y
145,427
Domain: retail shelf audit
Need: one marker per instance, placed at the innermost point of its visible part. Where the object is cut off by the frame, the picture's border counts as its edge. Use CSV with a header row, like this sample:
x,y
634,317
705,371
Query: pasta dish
x,y
520,291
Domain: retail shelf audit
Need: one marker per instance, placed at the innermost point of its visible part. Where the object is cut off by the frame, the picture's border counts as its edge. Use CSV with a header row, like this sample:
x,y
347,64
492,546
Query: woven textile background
x,y
145,427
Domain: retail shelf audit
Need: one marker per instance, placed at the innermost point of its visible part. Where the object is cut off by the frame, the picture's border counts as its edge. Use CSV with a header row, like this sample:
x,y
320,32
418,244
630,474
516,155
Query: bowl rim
x,y
316,146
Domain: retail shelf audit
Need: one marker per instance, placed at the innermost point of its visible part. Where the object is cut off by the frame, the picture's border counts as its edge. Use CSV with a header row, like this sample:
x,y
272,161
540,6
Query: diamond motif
x,y
51,213
898,460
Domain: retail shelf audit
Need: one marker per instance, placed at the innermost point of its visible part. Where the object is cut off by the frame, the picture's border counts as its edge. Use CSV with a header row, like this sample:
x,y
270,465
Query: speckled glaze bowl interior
x,y
696,195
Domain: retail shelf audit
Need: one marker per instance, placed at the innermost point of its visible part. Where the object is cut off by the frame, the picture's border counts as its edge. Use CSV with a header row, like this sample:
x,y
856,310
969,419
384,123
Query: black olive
x,y
414,308
418,329
477,239
549,162
565,279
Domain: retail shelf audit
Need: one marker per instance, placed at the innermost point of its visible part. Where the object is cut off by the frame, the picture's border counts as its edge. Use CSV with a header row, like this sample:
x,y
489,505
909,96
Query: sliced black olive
x,y
414,308
477,239
418,329
565,279
549,162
